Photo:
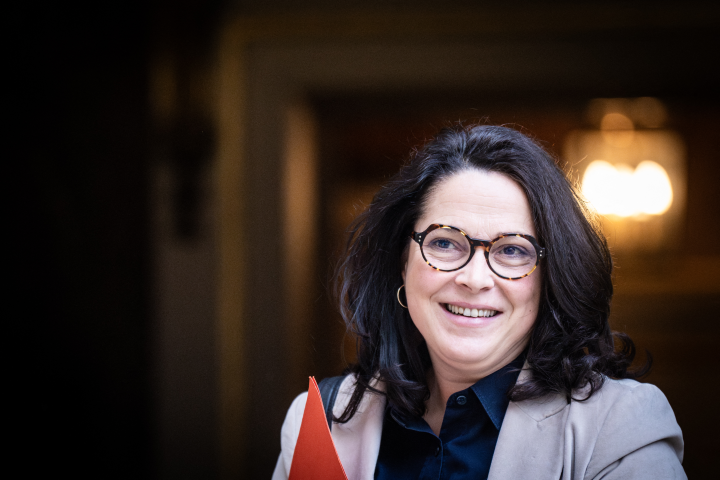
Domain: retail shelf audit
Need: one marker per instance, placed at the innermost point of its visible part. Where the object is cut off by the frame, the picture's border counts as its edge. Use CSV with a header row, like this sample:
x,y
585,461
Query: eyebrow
x,y
509,232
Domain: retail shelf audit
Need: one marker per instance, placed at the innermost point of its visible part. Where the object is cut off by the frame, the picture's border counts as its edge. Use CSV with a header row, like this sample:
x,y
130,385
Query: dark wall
x,y
86,275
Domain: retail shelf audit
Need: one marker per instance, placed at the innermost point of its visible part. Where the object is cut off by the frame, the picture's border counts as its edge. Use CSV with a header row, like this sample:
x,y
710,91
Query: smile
x,y
470,312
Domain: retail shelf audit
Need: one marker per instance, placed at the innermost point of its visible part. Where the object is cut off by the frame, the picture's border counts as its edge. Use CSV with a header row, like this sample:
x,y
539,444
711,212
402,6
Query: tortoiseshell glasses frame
x,y
540,252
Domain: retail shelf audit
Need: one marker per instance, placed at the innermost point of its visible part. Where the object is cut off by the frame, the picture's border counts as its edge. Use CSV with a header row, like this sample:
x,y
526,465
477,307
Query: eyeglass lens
x,y
448,249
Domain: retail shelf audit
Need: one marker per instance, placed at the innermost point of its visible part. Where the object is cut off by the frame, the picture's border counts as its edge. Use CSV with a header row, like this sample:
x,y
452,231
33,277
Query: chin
x,y
462,353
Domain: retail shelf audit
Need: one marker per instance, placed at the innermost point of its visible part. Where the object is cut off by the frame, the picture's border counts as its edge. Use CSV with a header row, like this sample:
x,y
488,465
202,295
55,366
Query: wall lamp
x,y
632,172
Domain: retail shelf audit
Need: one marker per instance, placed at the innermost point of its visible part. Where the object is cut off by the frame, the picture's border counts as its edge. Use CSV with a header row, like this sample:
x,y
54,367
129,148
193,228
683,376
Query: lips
x,y
470,312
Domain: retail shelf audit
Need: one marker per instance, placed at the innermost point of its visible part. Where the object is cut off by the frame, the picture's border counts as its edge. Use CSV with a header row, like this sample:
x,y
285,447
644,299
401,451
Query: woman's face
x,y
484,205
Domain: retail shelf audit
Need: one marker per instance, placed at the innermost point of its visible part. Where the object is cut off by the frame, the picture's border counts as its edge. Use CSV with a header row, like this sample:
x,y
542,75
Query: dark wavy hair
x,y
571,346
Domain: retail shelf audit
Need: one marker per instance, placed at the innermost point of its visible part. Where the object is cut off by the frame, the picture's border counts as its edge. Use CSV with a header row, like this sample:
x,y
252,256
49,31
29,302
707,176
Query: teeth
x,y
470,312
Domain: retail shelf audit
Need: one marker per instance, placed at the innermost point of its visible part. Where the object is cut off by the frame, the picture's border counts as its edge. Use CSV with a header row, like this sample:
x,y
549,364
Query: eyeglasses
x,y
511,256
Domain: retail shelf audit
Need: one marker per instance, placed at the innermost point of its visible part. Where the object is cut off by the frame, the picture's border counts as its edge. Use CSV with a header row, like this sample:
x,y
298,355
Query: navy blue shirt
x,y
410,450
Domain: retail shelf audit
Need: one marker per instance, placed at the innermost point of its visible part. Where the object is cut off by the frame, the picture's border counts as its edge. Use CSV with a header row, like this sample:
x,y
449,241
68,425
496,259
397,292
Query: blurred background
x,y
193,165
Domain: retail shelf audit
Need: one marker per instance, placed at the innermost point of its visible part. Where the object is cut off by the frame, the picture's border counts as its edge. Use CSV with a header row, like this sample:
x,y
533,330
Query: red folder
x,y
315,456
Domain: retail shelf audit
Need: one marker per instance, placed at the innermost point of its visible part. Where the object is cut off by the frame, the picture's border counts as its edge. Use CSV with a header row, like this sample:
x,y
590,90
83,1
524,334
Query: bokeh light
x,y
623,191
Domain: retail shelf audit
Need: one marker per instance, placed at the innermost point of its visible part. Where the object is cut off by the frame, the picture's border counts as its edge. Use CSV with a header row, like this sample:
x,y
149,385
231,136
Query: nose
x,y
476,275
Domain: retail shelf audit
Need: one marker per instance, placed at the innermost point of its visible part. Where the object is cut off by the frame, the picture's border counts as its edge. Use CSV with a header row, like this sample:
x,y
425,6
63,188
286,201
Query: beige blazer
x,y
627,430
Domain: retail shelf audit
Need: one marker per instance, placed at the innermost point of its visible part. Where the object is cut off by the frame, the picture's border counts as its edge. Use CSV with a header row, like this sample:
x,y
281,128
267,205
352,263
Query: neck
x,y
444,381
442,385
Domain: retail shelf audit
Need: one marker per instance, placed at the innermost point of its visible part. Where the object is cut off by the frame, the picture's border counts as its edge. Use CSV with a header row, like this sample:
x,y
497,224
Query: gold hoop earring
x,y
398,296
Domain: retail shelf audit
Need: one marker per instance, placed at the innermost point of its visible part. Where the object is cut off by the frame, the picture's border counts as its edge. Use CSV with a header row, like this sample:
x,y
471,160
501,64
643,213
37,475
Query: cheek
x,y
414,270
415,286
527,297
420,285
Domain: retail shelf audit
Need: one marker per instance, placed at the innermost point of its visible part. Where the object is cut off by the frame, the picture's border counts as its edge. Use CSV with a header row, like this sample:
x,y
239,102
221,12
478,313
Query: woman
x,y
479,291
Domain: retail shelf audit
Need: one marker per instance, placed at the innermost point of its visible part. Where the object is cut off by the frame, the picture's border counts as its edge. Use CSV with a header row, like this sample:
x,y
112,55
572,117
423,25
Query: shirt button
x,y
437,451
461,400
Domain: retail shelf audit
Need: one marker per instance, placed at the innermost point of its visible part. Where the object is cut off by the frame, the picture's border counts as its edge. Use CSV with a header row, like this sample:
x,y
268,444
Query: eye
x,y
512,251
444,247
442,244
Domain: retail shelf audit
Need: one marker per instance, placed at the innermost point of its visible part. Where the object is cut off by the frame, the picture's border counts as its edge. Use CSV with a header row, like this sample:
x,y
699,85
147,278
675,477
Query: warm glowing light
x,y
620,190
616,121
641,202
617,129
653,181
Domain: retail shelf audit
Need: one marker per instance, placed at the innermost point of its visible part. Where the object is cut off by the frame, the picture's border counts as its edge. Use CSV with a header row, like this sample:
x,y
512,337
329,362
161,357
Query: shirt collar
x,y
492,390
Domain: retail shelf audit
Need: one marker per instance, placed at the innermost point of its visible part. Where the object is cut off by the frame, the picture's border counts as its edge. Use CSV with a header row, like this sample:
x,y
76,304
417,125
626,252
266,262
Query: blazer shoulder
x,y
624,430
624,402
289,434
636,431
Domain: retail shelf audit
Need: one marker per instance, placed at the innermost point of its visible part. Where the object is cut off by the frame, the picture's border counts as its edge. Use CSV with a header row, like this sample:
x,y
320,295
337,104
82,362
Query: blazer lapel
x,y
531,440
